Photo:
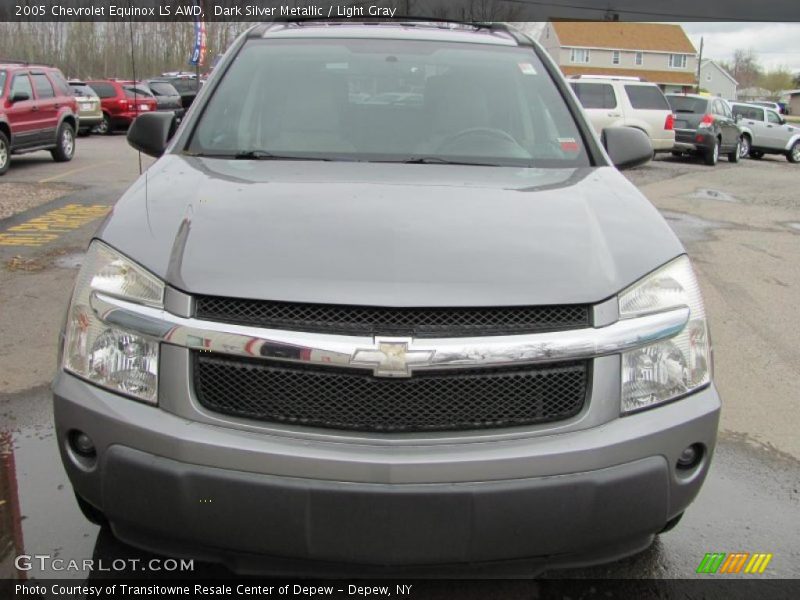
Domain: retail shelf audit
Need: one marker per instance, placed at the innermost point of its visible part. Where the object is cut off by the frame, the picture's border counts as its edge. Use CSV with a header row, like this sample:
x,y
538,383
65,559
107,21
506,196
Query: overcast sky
x,y
776,44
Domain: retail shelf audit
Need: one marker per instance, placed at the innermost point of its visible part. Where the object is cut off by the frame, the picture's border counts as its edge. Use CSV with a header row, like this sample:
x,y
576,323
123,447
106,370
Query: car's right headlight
x,y
120,360
671,368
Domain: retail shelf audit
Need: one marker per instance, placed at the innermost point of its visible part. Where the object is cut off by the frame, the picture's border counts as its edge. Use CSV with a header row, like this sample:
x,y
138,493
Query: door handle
x,y
34,108
614,114
770,126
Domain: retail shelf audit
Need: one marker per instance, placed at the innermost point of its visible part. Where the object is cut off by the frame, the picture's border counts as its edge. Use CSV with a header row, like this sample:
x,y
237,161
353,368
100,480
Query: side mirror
x,y
627,147
737,117
150,133
19,97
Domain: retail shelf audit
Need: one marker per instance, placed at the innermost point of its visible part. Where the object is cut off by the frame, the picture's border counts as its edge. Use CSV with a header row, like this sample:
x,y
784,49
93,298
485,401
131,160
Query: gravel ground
x,y
19,197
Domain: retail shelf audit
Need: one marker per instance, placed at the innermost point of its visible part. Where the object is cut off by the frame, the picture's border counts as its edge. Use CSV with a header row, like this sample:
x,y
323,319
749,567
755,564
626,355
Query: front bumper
x,y
183,487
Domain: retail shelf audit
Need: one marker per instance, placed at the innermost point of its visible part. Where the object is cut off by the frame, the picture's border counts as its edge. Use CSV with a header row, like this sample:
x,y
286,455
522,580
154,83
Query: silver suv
x,y
385,301
764,131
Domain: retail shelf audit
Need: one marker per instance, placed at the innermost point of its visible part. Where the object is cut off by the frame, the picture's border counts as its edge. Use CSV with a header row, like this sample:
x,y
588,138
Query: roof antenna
x,y
133,69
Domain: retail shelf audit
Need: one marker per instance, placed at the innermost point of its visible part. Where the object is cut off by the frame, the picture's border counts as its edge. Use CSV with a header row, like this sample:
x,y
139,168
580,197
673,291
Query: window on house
x,y
677,61
615,57
579,55
639,59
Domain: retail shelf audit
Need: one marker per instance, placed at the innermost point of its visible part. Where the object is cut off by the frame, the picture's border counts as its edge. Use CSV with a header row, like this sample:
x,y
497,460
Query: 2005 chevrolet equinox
x,y
386,302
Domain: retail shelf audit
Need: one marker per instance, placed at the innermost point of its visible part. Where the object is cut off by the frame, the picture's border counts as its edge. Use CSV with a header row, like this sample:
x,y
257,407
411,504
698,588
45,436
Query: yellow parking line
x,y
73,171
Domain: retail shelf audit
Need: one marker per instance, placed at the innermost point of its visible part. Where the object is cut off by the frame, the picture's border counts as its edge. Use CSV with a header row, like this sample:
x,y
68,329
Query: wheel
x,y
5,153
104,127
734,156
671,524
65,144
744,146
92,513
757,154
793,155
711,155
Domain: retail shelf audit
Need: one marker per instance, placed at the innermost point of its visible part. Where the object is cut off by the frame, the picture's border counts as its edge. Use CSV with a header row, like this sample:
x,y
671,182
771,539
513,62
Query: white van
x,y
627,102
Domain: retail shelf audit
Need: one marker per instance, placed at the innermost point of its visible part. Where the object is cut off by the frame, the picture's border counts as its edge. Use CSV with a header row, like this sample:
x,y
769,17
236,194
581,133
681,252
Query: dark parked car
x,y
37,112
186,87
705,127
167,97
121,103
396,334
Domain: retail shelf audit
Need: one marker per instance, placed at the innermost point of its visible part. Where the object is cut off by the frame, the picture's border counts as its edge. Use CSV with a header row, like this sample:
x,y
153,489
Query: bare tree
x,y
744,67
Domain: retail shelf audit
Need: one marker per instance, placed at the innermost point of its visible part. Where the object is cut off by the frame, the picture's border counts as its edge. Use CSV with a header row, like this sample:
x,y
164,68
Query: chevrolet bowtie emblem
x,y
391,358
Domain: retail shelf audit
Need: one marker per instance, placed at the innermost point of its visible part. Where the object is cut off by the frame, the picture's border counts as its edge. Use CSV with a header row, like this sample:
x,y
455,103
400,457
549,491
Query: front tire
x,y
5,153
65,144
744,146
793,156
711,155
670,525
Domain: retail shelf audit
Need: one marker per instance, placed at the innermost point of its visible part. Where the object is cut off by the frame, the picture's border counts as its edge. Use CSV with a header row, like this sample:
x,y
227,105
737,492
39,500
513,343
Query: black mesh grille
x,y
352,399
373,320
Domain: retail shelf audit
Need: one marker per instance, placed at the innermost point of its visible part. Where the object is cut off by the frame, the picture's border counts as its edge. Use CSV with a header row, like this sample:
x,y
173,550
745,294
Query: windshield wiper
x,y
264,155
437,160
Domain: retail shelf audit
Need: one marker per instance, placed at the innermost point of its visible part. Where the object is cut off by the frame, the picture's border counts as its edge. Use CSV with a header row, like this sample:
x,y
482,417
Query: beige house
x,y
656,52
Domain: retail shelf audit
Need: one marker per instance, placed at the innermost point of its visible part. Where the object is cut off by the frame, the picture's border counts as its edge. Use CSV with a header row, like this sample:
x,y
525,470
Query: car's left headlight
x,y
120,360
672,368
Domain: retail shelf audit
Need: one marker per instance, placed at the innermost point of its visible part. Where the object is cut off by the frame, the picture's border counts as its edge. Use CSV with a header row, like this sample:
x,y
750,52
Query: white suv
x,y
627,102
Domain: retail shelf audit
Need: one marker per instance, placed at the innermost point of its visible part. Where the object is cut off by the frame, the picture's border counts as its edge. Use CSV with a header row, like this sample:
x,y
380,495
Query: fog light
x,y
690,457
82,444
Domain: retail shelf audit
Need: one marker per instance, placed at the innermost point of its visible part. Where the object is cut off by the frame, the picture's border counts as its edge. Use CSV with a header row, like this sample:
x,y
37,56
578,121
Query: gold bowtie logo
x,y
391,358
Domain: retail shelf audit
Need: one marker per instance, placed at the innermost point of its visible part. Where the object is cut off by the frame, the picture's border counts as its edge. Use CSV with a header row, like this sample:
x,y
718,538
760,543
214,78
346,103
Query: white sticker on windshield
x,y
527,68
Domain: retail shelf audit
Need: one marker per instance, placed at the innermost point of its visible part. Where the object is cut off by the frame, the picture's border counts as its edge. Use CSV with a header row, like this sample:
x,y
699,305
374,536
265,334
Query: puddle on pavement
x,y
70,261
36,501
708,194
690,228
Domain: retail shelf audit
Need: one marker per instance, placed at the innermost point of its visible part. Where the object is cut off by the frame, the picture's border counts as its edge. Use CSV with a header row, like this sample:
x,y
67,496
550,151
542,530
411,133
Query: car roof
x,y
440,31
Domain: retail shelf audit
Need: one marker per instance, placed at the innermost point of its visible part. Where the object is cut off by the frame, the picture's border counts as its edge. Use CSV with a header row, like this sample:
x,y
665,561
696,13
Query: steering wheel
x,y
477,131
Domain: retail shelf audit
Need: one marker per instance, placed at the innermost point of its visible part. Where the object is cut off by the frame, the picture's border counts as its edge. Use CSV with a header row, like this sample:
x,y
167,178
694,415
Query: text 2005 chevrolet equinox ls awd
x,y
384,301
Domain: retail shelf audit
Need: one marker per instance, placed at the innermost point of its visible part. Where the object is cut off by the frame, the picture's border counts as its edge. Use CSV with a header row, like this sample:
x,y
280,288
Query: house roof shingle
x,y
659,37
666,77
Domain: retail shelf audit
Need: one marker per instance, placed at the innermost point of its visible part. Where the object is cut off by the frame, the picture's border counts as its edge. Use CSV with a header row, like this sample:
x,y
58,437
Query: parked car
x,y
705,127
776,106
485,344
121,103
37,112
89,112
187,88
764,131
627,102
167,97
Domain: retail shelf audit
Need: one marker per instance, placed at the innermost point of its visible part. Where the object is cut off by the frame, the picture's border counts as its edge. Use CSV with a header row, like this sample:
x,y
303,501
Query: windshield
x,y
687,104
389,100
131,91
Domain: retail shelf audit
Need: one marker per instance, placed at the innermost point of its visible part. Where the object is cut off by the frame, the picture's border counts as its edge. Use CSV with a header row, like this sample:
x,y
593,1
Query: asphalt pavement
x,y
740,223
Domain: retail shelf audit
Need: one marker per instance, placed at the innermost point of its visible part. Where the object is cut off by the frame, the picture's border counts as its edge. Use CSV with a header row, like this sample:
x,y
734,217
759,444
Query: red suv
x,y
37,112
121,102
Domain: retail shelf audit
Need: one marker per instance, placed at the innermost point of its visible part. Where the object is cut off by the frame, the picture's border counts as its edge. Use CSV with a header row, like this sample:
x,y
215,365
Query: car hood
x,y
389,234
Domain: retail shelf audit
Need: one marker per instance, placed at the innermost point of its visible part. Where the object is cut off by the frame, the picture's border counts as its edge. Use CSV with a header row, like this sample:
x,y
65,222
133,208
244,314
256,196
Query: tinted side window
x,y
44,89
646,97
2,82
749,112
22,83
773,117
595,95
104,90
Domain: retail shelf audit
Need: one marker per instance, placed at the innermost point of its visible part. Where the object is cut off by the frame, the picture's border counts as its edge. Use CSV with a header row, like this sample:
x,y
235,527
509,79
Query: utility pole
x,y
699,64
